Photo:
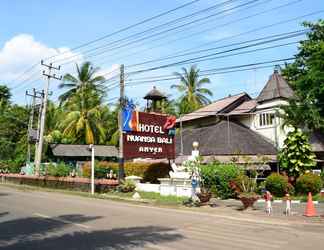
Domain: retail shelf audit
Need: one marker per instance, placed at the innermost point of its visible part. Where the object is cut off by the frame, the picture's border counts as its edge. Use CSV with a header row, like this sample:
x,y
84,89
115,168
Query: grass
x,y
150,197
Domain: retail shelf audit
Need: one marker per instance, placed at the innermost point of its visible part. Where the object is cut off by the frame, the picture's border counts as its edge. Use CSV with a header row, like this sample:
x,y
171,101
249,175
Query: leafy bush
x,y
60,170
277,184
218,177
127,186
244,184
12,166
309,183
296,156
150,172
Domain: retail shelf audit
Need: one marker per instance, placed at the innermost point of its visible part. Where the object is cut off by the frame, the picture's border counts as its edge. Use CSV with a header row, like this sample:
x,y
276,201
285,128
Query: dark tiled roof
x,y
225,138
154,94
276,87
70,150
213,108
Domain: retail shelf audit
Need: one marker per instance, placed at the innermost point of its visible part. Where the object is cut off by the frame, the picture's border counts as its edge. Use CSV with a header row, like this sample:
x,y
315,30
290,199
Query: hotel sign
x,y
147,135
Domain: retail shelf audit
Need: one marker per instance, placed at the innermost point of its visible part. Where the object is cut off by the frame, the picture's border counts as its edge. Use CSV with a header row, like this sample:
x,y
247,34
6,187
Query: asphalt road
x,y
41,220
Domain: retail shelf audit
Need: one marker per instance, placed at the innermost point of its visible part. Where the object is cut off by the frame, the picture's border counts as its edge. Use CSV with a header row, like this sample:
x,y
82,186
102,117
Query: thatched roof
x,y
276,87
225,138
70,150
155,94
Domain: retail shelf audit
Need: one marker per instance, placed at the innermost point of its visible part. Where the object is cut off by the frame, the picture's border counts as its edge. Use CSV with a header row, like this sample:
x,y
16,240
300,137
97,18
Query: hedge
x,y
217,177
150,172
69,183
309,183
277,184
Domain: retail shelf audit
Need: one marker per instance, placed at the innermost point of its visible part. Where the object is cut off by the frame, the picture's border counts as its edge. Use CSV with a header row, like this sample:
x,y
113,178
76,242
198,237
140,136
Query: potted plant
x,y
246,187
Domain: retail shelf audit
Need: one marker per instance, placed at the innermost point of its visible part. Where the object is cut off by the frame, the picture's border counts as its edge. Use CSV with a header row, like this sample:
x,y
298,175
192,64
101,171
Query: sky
x,y
34,30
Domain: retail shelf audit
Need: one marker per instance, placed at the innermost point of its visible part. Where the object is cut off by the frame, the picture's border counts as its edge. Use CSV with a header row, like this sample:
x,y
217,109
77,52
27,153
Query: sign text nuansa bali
x,y
148,135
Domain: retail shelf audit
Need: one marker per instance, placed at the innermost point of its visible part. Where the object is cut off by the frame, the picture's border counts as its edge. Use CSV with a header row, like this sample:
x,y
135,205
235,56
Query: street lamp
x,y
91,147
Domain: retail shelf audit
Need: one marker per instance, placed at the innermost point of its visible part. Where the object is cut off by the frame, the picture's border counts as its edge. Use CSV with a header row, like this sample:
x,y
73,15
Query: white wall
x,y
274,133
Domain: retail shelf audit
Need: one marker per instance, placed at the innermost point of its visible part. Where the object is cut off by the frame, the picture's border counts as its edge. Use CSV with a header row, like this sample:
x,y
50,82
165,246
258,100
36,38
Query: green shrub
x,y
277,184
218,177
60,170
309,183
127,186
244,184
150,172
12,166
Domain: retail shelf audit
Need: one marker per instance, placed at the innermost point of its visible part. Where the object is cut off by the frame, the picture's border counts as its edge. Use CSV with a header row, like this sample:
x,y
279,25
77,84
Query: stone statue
x,y
178,172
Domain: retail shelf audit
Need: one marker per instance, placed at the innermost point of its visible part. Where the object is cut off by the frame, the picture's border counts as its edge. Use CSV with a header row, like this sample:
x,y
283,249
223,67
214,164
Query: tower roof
x,y
276,87
154,94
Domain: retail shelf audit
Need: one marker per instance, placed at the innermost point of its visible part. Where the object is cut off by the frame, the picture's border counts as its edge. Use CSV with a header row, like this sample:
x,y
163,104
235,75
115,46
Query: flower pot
x,y
204,197
248,200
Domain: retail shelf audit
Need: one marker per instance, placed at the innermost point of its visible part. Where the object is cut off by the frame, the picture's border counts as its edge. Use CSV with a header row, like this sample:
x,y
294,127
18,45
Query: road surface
x,y
41,220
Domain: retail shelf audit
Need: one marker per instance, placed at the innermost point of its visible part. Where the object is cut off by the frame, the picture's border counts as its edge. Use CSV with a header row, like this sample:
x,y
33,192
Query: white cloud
x,y
22,51
110,72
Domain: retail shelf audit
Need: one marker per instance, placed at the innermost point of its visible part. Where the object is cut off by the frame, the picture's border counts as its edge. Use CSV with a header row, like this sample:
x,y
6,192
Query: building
x,y
78,154
239,128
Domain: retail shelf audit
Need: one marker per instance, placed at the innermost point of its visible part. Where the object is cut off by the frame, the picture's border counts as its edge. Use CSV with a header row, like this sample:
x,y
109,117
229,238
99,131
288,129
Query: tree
x,y
296,156
83,120
86,79
13,133
193,94
306,76
4,96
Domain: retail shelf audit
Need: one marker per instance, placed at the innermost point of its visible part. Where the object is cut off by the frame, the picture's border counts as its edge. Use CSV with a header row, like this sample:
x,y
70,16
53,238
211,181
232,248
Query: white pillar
x,y
92,168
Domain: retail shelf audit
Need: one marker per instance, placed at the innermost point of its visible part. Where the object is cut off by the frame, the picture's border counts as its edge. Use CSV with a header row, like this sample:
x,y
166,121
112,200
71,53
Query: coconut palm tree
x,y
193,94
86,78
83,121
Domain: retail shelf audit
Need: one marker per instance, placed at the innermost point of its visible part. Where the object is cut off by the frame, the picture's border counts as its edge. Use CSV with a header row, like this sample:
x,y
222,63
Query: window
x,y
266,119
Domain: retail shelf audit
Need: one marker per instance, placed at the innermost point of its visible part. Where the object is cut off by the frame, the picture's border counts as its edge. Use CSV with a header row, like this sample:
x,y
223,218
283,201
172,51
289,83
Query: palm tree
x,y
83,122
86,79
193,95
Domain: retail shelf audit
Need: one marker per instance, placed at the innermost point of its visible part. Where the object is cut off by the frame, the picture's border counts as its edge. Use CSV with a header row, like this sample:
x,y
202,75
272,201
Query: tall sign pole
x,y
92,148
120,124
48,75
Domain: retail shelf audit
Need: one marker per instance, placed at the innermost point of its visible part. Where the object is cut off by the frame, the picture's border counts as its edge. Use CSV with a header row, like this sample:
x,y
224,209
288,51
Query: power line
x,y
129,27
203,73
203,58
203,31
277,37
112,34
164,31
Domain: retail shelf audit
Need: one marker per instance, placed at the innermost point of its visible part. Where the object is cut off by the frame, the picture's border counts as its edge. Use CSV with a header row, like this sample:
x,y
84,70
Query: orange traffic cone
x,y
310,208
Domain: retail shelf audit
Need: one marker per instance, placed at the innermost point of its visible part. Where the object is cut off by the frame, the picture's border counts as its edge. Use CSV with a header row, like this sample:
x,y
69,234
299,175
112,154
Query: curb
x,y
292,202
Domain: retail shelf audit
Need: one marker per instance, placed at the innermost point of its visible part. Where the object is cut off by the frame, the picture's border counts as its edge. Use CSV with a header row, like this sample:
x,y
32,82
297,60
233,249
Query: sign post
x,y
91,147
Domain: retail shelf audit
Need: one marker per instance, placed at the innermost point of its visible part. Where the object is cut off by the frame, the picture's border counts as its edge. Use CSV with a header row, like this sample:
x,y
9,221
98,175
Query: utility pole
x,y
121,170
50,67
30,131
31,120
42,94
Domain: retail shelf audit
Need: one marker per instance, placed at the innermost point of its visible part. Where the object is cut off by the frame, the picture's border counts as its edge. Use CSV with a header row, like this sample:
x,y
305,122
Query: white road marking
x,y
61,220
